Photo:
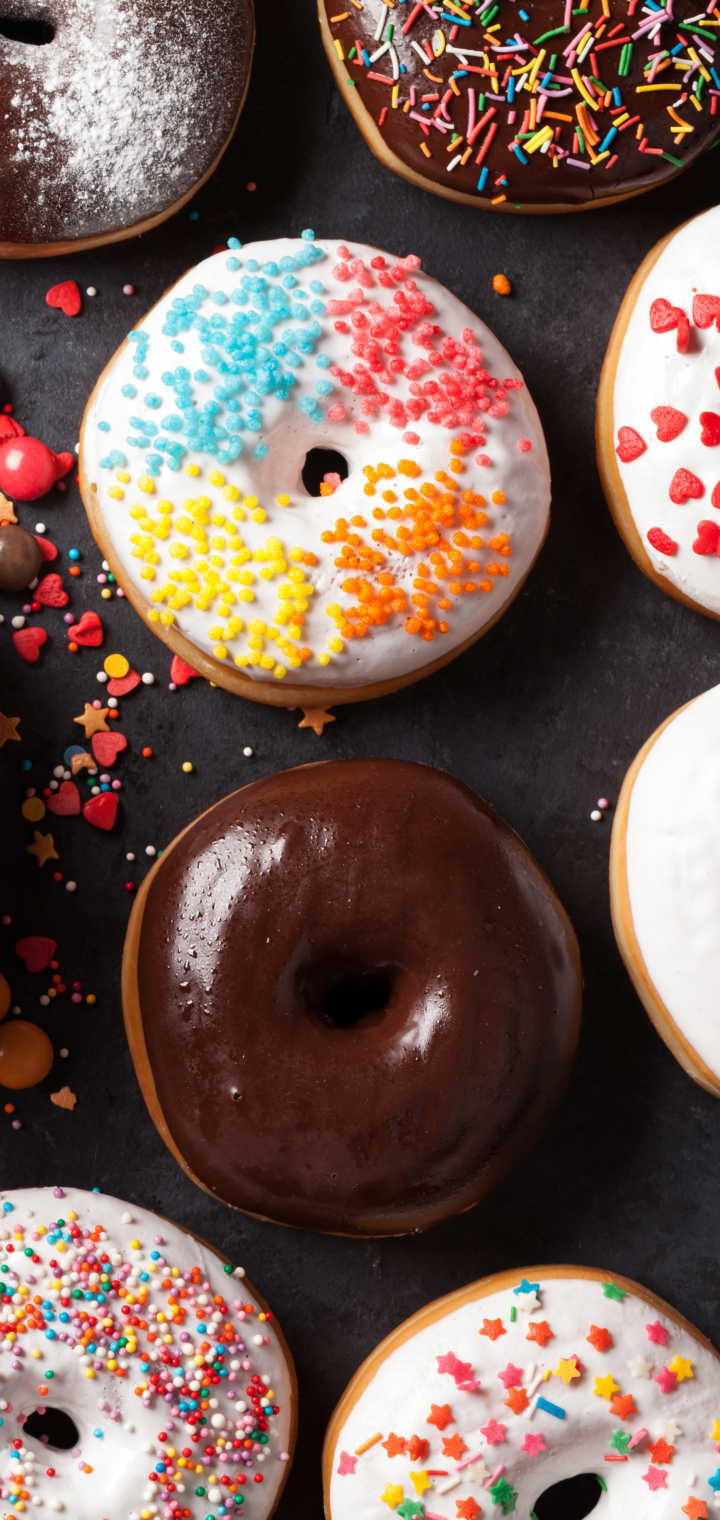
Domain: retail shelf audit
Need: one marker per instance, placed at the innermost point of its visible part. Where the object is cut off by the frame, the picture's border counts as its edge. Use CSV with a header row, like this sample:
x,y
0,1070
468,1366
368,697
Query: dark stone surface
x,y
542,717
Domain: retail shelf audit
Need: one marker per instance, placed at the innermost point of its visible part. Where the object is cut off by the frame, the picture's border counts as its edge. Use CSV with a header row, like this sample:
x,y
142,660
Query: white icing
x,y
399,1396
106,1474
673,871
356,426
652,373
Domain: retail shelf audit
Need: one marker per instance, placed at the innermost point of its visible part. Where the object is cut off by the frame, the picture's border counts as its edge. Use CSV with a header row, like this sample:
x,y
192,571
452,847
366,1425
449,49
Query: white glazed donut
x,y
658,426
665,883
62,1321
204,420
488,1398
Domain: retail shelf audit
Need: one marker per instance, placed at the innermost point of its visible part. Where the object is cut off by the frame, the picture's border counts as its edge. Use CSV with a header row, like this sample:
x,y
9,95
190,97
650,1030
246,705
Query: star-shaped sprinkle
x,y
517,1400
420,1482
42,847
346,1463
493,1328
417,1449
622,1407
567,1369
657,1333
654,1477
526,1287
599,1338
682,1369
457,1369
494,1434
316,717
395,1445
453,1446
6,510
467,1509
620,1440
505,1495
639,1367
410,1509
715,1432
669,1430
440,1415
539,1331
533,1444
661,1452
392,1495
93,720
611,1290
667,1380
529,1303
8,729
605,1387
715,1481
477,1472
511,1377
695,1509
83,762
64,1098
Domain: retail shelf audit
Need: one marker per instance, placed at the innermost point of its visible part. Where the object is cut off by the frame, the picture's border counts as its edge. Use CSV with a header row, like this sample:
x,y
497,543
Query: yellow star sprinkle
x,y
680,1368
421,1481
567,1370
605,1387
715,1432
392,1495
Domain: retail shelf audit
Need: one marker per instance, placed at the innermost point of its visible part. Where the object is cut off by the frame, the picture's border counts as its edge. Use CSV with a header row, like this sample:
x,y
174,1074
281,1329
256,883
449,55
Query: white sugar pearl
x,y
18,622
130,855
239,1272
64,1052
218,1421
148,678
150,849
105,565
54,785
71,886
91,291
101,676
17,1009
247,751
44,1000
58,771
126,1218
257,1340
67,775
40,528
596,816
112,701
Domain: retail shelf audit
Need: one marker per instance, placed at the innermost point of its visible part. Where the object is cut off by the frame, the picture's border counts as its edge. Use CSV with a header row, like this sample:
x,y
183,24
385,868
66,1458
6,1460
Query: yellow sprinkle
x,y
146,484
220,653
192,469
642,89
216,479
323,659
122,476
116,492
187,767
279,672
117,666
105,594
231,493
283,501
338,47
258,515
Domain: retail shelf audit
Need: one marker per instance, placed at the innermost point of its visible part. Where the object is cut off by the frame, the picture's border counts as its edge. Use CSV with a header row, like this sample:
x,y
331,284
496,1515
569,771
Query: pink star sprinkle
x,y
654,1477
457,1369
657,1333
512,1376
494,1434
533,1444
346,1463
666,1379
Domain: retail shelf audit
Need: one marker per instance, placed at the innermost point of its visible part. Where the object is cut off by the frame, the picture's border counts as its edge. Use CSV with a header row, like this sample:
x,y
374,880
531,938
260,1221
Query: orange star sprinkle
x,y
493,1328
600,1339
539,1332
395,1445
661,1452
695,1509
517,1400
622,1407
439,1415
467,1509
316,717
417,1449
8,729
453,1446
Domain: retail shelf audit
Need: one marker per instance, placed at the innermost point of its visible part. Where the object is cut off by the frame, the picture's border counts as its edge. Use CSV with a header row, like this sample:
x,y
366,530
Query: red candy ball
x,y
28,468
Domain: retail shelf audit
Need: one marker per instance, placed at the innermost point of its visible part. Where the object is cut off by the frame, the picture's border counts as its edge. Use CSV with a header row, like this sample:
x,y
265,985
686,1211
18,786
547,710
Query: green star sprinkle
x,y
620,1441
504,1494
611,1290
410,1510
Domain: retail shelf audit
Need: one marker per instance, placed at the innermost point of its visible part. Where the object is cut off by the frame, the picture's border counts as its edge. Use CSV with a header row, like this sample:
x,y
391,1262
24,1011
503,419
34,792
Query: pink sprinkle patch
x,y
655,1477
657,1333
705,310
708,537
512,1376
710,424
483,459
668,421
524,445
663,316
666,1379
493,1432
411,437
664,545
451,1364
629,445
361,427
533,1444
684,485
346,1463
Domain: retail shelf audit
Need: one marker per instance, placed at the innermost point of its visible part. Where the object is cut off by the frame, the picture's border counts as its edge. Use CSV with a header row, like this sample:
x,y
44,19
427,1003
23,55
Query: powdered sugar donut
x,y
135,1382
487,1399
232,389
658,419
665,883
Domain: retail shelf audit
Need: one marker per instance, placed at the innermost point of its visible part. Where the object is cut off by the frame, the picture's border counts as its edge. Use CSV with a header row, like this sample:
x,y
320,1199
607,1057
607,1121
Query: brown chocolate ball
x,y
20,557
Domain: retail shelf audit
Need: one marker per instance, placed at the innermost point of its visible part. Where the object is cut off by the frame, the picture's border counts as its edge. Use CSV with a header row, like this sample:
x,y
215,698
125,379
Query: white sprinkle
x,y
257,1340
59,770
17,1009
101,676
94,791
71,886
40,528
126,1219
91,291
148,678
64,1052
150,849
130,855
112,701
54,785
444,1488
105,565
18,622
247,751
67,775
239,1272
596,816
44,1000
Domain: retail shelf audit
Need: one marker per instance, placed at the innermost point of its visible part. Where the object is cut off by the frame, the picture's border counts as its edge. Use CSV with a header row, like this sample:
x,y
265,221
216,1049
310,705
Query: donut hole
x,y
53,1427
318,464
30,29
341,995
572,1499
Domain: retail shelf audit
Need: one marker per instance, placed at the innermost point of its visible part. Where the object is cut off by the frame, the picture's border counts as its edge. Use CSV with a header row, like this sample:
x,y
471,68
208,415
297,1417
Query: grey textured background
x,y
542,717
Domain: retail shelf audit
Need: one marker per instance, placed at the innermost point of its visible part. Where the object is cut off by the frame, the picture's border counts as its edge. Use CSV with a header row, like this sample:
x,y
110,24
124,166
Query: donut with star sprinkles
x,y
548,106
554,1389
111,122
141,1374
314,472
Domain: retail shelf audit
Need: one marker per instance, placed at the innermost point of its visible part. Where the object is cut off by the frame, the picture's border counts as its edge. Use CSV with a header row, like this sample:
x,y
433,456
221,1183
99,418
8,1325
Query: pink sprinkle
x,y
667,1380
493,1476
97,703
101,579
602,802
76,997
415,437
533,1444
30,793
128,290
251,185
636,1438
467,1460
6,919
429,1513
361,427
346,1464
172,686
483,459
343,252
525,445
116,785
17,1124
658,1333
69,617
119,591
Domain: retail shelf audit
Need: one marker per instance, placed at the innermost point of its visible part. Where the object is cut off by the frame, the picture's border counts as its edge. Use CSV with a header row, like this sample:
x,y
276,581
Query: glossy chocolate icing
x,y
259,923
117,117
535,182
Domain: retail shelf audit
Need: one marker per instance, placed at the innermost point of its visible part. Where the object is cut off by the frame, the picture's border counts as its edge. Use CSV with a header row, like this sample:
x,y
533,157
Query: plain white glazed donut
x,y
203,422
81,1270
491,1396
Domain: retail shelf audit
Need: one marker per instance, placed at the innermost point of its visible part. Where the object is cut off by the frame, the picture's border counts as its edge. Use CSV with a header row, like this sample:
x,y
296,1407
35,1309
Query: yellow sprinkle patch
x,y
116,666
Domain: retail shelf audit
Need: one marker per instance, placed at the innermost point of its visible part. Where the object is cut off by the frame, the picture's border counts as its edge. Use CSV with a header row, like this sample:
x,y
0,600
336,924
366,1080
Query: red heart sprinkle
x,y
88,631
47,549
36,951
717,374
662,541
708,537
50,592
710,424
663,316
668,421
181,673
67,296
9,428
119,686
683,335
705,310
629,445
683,485
715,498
28,642
65,801
101,810
107,747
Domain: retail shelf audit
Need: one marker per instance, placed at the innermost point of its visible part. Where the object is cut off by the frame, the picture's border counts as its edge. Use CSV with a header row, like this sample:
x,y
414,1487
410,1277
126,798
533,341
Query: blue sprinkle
x,y
49,1335
483,178
322,387
129,391
73,553
252,265
219,297
607,140
517,150
524,15
26,765
7,1208
322,361
234,243
152,401
308,236
617,97
232,265
112,461
317,287
260,451
140,372
527,1287
104,427
544,1403
178,348
194,216
201,375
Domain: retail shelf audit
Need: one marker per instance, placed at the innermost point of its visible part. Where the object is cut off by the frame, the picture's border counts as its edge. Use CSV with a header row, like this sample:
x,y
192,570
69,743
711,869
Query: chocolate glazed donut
x,y
352,997
112,113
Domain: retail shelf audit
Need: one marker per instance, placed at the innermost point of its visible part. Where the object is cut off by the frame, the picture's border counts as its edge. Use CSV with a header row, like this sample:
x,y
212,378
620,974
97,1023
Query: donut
x,y
322,1037
517,113
99,1290
656,435
365,451
113,115
540,1393
665,883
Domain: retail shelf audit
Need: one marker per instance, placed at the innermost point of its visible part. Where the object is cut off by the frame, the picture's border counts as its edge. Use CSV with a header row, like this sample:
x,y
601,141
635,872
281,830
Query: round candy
x,y
28,468
117,666
26,1054
20,557
33,809
4,996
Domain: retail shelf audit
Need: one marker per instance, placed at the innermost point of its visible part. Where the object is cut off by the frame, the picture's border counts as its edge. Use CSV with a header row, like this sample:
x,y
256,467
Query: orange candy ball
x,y
4,996
26,1054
